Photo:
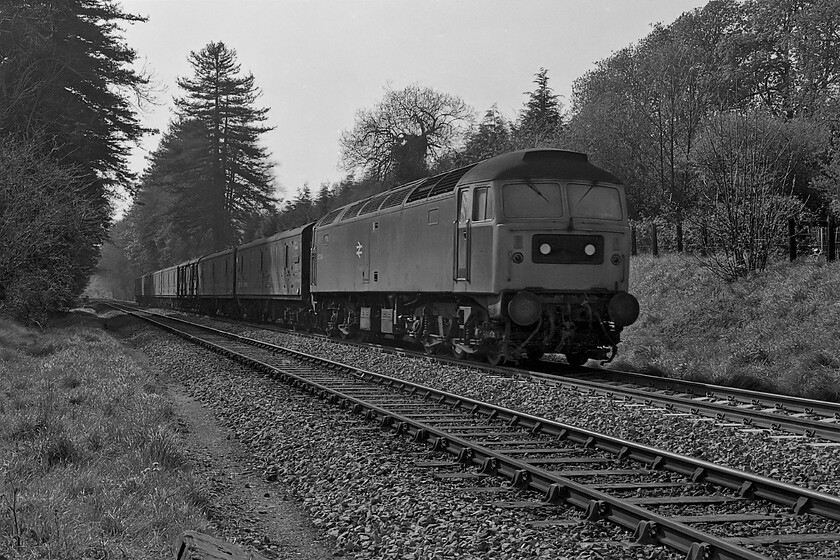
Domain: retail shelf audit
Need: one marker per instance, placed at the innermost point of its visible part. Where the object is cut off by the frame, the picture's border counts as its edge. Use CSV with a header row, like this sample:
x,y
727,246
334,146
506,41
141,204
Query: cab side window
x,y
463,206
482,204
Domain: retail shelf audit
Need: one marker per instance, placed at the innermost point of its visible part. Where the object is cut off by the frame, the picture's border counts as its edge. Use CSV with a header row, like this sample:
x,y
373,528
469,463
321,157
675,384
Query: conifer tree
x,y
541,121
491,138
238,180
174,216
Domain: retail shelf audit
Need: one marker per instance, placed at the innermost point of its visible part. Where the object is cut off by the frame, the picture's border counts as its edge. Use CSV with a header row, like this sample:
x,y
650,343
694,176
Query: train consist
x,y
522,254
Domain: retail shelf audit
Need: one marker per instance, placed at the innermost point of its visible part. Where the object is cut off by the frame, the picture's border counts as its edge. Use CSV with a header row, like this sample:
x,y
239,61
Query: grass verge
x,y
90,462
777,331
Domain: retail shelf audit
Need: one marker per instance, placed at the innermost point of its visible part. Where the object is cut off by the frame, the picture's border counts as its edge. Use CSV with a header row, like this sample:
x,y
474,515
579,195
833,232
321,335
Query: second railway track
x,y
686,504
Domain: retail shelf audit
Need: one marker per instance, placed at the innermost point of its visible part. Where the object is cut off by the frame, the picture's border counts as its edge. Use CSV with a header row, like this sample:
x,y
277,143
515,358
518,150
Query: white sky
x,y
317,62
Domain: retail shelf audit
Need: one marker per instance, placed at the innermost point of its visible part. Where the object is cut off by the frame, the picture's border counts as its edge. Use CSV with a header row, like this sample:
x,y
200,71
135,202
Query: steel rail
x,y
782,413
728,411
647,526
830,410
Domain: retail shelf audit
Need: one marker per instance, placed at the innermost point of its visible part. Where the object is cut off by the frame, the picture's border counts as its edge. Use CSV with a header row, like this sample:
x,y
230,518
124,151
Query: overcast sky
x,y
317,62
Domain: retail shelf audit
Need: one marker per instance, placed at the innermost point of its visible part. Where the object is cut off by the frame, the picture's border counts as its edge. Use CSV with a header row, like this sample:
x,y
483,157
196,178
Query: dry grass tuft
x,y
774,331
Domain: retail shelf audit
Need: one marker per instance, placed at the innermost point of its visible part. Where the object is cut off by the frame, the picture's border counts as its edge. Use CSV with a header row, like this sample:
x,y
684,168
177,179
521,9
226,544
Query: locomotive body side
x,y
396,250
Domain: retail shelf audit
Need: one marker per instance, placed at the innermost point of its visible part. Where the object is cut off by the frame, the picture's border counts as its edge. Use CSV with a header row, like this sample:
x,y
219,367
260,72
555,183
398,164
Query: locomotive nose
x,y
624,309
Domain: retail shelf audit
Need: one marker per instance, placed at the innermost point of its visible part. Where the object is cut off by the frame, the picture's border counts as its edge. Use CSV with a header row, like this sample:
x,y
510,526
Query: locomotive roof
x,y
522,164
537,164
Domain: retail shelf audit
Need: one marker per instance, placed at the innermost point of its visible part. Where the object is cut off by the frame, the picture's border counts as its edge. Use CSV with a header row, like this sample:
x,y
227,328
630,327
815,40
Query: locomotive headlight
x,y
589,249
545,248
525,308
624,309
615,259
517,257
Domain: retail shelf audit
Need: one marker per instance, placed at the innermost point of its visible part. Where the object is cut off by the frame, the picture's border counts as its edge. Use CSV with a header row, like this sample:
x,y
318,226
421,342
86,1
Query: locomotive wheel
x,y
494,355
430,349
576,359
533,354
459,353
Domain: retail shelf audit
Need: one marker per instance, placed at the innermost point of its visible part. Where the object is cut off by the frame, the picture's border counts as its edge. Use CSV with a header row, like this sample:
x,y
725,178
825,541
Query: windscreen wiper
x,y
534,188
587,192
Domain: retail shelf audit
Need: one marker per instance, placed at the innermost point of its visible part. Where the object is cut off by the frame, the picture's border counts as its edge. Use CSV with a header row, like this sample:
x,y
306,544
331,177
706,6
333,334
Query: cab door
x,y
462,236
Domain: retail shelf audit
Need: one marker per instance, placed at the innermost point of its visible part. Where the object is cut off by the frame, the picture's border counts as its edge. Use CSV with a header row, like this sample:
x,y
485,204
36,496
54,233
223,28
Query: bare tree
x,y
746,175
404,134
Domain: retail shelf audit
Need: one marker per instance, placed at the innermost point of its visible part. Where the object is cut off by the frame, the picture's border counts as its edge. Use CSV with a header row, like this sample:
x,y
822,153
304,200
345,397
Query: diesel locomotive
x,y
519,255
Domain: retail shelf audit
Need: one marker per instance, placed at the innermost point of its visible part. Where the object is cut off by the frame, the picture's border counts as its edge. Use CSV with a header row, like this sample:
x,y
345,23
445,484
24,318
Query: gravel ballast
x,y
367,495
792,460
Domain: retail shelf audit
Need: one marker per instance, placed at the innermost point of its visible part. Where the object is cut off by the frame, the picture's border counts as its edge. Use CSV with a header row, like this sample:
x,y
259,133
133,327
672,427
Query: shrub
x,y
48,250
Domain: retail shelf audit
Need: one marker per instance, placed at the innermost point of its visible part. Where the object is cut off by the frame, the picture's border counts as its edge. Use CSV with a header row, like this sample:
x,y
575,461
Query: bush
x,y
49,248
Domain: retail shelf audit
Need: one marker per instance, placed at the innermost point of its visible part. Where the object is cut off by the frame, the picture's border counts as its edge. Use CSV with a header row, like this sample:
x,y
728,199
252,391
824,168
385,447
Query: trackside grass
x,y
89,456
778,330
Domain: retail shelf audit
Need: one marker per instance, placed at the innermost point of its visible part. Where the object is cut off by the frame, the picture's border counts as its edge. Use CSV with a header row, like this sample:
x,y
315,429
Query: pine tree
x,y
175,217
65,74
493,137
541,121
239,182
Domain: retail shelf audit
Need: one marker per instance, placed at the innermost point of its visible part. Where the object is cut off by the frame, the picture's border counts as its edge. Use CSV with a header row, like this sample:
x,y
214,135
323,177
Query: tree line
x,y
722,124
725,120
192,201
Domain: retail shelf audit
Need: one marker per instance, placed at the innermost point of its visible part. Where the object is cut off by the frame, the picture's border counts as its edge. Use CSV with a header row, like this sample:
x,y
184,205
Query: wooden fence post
x,y
792,239
679,237
654,242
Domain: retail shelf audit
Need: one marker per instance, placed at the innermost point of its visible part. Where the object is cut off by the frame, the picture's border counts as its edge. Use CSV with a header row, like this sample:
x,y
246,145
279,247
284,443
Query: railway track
x,y
784,416
691,506
780,415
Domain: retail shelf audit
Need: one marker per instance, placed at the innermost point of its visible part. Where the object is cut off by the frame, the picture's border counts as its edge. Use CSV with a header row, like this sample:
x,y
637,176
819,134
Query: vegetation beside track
x,y
776,331
90,465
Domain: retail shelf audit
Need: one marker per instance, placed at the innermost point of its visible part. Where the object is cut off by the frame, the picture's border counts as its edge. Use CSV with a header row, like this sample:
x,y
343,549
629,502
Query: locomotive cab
x,y
545,253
